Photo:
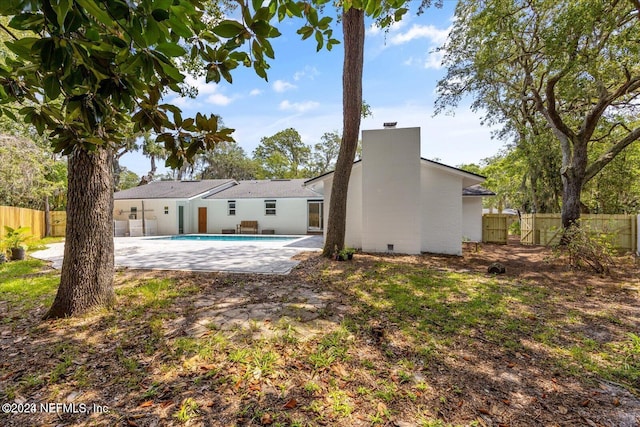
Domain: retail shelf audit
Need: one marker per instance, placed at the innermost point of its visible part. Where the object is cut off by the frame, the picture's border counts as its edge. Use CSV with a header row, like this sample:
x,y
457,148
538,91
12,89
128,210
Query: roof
x,y
438,164
263,189
172,189
477,190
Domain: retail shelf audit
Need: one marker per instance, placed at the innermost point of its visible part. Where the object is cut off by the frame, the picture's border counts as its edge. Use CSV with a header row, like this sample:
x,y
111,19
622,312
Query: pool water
x,y
228,238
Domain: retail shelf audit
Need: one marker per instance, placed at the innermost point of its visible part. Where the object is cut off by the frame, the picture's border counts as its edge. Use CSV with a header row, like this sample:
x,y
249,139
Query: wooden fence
x,y
546,229
34,219
495,228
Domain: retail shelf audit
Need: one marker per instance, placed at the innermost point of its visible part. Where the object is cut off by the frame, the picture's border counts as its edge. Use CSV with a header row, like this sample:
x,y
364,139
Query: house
x,y
283,206
162,207
399,202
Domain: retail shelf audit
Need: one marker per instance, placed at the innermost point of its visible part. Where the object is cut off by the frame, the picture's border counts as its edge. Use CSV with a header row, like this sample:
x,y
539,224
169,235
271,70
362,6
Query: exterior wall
x,y
353,226
290,218
472,218
441,198
167,223
390,190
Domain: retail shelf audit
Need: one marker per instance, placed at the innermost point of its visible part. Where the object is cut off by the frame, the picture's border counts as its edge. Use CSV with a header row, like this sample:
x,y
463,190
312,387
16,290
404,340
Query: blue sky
x,y
304,92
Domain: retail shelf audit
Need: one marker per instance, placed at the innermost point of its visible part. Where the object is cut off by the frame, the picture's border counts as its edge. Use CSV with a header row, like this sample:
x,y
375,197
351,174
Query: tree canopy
x,y
566,69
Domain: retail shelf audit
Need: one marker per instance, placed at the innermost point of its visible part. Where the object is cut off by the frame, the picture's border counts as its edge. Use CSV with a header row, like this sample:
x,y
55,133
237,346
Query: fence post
x,y
638,235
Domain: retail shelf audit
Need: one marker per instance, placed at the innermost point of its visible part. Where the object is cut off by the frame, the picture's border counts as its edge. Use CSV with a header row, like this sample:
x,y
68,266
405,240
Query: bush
x,y
588,250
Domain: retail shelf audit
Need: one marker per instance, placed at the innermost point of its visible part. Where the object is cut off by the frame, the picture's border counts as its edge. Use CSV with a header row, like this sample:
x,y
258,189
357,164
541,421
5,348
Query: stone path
x,y
304,312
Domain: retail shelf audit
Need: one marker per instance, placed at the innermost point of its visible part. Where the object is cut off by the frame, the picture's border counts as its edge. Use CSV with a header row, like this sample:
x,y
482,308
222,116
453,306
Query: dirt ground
x,y
479,384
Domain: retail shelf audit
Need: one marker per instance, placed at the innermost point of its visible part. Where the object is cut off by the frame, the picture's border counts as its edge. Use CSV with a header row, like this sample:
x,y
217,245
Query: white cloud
x,y
255,92
208,93
436,36
308,72
282,86
219,99
299,107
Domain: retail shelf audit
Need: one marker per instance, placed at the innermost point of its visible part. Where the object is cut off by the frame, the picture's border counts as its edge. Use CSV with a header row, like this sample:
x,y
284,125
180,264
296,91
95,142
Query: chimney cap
x,y
390,124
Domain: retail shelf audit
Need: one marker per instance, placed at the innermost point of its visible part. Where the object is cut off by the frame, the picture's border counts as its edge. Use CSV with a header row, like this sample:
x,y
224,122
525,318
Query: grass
x,y
28,283
408,327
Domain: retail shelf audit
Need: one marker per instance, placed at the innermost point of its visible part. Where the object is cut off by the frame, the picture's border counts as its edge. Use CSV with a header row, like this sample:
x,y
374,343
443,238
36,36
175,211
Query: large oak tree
x,y
573,65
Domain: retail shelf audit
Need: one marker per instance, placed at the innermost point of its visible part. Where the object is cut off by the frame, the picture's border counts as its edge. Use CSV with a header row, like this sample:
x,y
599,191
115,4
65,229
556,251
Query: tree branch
x,y
6,30
605,158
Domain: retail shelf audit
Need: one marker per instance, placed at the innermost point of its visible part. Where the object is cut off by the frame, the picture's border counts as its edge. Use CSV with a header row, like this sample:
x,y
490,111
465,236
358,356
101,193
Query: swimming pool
x,y
229,238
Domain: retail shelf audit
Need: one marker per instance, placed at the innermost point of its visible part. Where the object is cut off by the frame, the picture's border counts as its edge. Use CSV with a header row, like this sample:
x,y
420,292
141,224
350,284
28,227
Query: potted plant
x,y
346,254
15,239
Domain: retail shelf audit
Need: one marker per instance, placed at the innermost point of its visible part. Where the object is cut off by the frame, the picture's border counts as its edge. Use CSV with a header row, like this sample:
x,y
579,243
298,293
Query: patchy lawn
x,y
382,340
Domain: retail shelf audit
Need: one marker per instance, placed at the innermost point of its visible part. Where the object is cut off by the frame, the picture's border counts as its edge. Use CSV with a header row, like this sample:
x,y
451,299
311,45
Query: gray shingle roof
x,y
477,190
265,189
171,189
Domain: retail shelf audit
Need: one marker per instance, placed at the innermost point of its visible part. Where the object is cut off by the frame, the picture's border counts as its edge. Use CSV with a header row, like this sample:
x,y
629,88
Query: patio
x,y
269,257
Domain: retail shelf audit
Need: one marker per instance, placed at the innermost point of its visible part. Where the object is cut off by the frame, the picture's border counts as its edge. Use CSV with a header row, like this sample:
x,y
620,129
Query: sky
x,y
304,92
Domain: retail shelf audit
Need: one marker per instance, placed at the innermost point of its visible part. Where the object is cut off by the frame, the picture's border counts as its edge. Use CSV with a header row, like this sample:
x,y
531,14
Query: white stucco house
x,y
217,206
402,203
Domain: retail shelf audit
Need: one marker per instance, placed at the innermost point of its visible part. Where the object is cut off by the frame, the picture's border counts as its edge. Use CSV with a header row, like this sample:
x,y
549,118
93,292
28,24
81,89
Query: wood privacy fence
x,y
495,228
546,229
34,219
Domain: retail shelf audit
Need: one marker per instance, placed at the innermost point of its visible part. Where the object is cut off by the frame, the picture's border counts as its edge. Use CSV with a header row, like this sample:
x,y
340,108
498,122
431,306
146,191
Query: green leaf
x,y
324,23
160,15
228,28
261,28
399,14
61,8
294,9
52,86
92,34
92,8
171,49
22,47
305,31
179,27
320,40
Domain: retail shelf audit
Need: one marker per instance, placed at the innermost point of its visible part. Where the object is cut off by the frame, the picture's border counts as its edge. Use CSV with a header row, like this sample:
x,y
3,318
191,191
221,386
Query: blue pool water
x,y
228,238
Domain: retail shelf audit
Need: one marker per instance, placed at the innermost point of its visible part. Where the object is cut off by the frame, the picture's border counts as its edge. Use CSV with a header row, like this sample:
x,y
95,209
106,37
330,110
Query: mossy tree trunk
x,y
87,270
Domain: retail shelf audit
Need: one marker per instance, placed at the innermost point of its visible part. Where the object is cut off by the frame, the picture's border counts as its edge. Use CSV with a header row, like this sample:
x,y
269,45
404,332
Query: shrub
x,y
588,250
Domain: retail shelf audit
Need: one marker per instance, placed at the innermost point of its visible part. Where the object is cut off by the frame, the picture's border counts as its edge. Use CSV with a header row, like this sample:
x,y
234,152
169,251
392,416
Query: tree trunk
x,y
87,270
47,217
353,29
572,182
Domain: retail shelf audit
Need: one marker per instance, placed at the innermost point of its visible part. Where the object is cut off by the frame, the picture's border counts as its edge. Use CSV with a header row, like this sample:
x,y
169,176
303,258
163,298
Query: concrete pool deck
x,y
151,253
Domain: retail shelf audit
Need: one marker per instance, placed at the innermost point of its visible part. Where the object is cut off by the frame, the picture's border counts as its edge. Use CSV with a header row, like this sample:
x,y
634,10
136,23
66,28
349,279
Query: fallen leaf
x,y
208,367
585,403
340,370
562,410
132,423
616,401
255,387
511,365
146,404
506,401
484,411
166,404
266,419
292,403
382,408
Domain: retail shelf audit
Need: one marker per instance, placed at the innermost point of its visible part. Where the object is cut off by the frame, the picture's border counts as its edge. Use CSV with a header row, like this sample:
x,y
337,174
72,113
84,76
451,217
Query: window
x,y
166,210
269,207
133,214
231,204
